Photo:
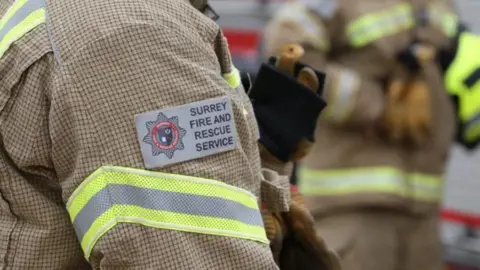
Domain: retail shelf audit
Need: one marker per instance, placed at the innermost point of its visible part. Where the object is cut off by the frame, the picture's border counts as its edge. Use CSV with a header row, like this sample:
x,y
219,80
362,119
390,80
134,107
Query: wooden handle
x,y
308,78
288,57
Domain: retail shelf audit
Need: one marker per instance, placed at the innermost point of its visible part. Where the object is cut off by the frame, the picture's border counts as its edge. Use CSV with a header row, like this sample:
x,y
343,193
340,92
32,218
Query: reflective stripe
x,y
459,82
370,180
233,78
376,25
22,17
445,20
342,95
113,195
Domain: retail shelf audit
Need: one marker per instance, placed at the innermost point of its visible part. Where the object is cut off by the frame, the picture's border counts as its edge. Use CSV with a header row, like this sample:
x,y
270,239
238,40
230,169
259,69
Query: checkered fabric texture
x,y
66,111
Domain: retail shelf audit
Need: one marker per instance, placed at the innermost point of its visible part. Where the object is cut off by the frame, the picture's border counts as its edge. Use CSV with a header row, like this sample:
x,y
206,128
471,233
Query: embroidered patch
x,y
186,132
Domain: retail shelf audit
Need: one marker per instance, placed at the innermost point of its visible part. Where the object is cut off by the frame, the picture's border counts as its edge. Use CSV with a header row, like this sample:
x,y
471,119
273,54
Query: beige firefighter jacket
x,y
356,42
111,155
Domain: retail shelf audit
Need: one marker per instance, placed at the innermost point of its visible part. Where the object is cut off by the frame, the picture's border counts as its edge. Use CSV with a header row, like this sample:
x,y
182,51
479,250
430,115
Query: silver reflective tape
x,y
183,203
347,87
28,8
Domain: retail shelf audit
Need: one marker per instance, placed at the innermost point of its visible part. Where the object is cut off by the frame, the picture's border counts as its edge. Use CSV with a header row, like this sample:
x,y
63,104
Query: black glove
x,y
286,110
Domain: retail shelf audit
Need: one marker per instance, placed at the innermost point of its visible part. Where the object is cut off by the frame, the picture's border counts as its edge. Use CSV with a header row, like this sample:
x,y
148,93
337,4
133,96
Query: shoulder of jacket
x,y
323,8
307,26
297,14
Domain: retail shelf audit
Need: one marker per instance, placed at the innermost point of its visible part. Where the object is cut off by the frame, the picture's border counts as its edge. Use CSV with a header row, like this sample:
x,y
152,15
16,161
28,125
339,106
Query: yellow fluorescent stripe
x,y
348,171
33,20
154,180
179,222
373,18
324,175
11,11
233,78
426,196
389,30
308,190
368,180
374,26
366,189
425,178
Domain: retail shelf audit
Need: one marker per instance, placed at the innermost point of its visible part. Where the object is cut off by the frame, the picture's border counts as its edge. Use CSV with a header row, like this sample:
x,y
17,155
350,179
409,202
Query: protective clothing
x,y
108,158
354,167
462,73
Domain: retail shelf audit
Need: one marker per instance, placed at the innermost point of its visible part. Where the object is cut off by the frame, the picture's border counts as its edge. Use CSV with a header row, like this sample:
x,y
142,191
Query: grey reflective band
x,y
114,195
20,15
174,202
341,100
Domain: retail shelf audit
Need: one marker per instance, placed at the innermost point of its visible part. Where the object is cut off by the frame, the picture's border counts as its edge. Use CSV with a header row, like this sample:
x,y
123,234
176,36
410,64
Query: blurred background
x,y
242,22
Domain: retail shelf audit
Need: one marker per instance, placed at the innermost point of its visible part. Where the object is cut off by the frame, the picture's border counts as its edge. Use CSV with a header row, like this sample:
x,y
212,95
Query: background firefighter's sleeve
x,y
351,99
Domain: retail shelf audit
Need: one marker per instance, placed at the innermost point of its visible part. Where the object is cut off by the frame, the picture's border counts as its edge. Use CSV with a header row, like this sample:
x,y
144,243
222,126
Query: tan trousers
x,y
383,240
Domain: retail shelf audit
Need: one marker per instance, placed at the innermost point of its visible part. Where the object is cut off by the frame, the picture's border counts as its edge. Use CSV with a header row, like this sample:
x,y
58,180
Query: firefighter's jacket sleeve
x,y
122,141
461,65
351,98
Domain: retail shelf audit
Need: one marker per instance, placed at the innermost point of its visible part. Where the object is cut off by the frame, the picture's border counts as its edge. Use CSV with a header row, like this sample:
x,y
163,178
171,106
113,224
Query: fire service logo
x,y
164,135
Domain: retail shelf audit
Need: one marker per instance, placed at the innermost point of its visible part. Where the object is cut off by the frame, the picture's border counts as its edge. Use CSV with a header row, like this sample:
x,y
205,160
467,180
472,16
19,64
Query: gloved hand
x,y
407,116
286,98
294,242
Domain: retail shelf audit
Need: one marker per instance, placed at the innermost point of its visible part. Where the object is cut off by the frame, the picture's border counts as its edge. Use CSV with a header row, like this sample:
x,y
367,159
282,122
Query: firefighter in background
x,y
127,142
402,84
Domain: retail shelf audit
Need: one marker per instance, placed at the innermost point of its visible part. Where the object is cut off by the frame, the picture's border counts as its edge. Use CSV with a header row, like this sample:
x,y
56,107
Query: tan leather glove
x,y
407,112
407,117
294,241
418,111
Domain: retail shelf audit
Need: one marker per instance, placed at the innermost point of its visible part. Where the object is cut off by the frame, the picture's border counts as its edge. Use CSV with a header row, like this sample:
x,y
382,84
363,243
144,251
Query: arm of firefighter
x,y
461,65
149,150
351,99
